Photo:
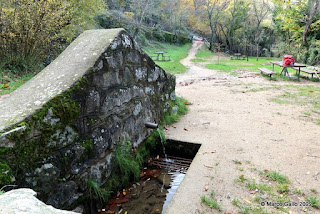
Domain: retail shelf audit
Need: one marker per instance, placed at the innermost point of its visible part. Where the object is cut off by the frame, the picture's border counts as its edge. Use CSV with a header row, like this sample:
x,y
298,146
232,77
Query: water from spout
x,y
162,142
165,155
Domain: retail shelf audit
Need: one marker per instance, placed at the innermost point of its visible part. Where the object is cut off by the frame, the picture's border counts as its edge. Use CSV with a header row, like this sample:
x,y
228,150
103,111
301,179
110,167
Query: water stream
x,y
162,143
165,156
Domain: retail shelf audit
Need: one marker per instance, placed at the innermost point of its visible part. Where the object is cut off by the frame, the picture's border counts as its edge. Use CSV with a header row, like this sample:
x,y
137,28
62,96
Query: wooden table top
x,y
237,54
160,52
279,63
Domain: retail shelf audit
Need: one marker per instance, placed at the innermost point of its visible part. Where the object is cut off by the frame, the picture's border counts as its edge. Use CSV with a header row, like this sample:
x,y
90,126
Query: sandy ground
x,y
241,125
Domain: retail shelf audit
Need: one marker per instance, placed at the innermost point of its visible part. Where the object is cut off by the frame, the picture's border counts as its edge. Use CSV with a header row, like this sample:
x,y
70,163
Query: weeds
x,y
211,202
236,202
283,188
175,116
277,177
297,191
97,192
314,202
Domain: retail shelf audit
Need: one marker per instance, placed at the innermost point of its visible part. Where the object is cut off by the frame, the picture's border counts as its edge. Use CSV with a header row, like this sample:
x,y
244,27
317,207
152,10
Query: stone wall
x,y
60,129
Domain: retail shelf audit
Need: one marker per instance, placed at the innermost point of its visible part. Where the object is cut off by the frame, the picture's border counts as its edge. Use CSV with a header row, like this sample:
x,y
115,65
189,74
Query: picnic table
x,y
163,57
237,56
284,71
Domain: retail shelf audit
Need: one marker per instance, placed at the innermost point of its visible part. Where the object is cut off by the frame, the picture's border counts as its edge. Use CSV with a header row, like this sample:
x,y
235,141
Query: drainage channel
x,y
158,182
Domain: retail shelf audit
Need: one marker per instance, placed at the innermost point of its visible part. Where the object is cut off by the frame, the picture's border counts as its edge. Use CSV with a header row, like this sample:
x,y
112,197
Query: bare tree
x,y
142,9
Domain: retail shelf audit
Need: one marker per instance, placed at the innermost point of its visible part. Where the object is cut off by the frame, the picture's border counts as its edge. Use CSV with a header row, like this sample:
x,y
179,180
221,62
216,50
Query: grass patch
x,y
236,202
211,201
252,65
176,52
314,202
297,191
241,179
96,192
313,190
181,109
222,67
10,81
198,60
283,188
277,177
204,52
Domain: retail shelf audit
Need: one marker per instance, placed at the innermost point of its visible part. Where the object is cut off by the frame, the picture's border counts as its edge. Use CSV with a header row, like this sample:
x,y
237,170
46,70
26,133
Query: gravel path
x,y
234,116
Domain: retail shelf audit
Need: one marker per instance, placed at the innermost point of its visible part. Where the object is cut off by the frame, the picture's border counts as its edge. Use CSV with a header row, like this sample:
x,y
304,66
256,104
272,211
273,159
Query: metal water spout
x,y
150,125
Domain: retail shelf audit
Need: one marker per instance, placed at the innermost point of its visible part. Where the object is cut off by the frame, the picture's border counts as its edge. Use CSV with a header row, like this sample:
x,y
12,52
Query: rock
x,y
165,180
24,201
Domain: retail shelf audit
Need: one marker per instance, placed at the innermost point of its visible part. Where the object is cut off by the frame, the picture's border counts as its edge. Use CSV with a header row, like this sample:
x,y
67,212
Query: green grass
x,y
97,192
221,67
314,202
236,202
297,191
198,60
277,177
283,188
313,190
204,52
226,65
10,81
175,116
176,52
211,202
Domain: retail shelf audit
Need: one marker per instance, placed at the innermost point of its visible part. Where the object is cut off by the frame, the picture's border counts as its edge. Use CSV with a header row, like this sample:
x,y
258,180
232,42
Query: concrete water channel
x,y
159,181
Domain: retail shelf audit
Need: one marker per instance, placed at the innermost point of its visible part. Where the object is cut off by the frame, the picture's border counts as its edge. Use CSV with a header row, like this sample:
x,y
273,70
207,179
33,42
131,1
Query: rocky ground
x,y
254,149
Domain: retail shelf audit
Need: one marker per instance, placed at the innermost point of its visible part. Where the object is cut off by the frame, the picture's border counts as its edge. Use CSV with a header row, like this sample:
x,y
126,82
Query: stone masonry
x,y
59,130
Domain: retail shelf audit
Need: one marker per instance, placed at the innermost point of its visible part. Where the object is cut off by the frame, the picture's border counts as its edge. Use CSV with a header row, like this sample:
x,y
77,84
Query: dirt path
x,y
234,116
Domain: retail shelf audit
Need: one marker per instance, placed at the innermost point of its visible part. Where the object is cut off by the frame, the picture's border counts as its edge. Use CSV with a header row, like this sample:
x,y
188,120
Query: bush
x,y
30,29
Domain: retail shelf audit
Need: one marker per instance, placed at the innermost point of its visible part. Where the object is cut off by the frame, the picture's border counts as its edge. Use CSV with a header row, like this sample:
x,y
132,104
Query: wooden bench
x,y
312,72
266,71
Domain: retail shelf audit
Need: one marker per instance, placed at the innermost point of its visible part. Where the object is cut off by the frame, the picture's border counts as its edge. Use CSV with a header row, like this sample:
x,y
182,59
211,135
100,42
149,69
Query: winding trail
x,y
234,116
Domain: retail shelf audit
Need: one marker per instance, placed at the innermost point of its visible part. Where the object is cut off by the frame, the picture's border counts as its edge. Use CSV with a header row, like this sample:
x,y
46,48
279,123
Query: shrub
x,y
30,29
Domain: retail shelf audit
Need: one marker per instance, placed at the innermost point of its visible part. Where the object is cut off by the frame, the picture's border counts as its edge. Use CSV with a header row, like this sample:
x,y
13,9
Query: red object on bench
x,y
288,60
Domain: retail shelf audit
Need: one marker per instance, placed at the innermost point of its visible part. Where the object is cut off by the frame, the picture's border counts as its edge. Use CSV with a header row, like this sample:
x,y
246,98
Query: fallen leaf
x,y
310,91
22,81
185,129
5,86
206,188
208,166
253,191
266,170
174,127
247,201
186,103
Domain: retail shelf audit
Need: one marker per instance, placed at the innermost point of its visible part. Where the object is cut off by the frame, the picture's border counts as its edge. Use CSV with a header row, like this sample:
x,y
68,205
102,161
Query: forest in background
x,y
33,33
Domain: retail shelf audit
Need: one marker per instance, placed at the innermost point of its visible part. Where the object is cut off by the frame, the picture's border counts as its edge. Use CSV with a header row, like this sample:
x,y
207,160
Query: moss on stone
x,y
88,152
6,176
30,151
